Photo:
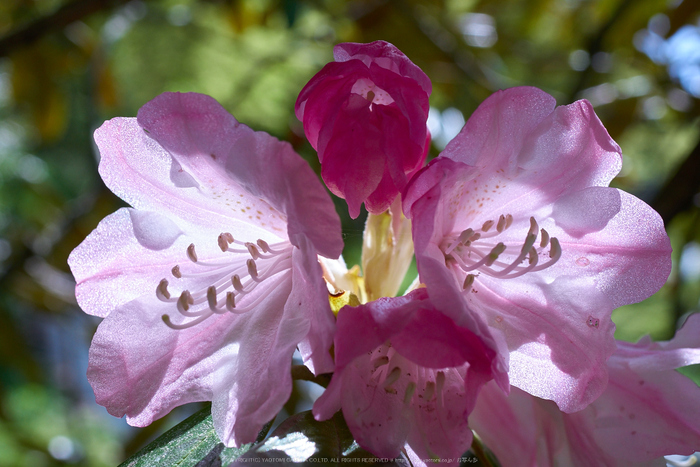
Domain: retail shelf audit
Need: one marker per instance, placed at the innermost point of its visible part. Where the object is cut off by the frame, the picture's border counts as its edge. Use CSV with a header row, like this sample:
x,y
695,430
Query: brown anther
x,y
554,248
211,297
176,271
532,256
469,281
501,226
263,245
191,254
230,301
223,242
253,250
252,268
509,220
545,238
162,290
466,235
534,228
236,282
487,225
185,300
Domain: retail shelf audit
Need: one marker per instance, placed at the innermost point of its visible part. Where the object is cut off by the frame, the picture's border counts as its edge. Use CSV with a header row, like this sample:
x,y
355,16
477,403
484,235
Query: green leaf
x,y
301,440
192,442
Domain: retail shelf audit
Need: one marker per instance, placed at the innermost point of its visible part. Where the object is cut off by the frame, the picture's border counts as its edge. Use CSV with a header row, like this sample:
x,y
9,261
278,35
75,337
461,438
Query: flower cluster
x,y
227,262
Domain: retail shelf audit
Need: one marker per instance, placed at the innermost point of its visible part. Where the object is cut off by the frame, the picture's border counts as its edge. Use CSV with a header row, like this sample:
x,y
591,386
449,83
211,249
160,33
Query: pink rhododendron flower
x,y
648,410
405,373
366,116
211,280
516,217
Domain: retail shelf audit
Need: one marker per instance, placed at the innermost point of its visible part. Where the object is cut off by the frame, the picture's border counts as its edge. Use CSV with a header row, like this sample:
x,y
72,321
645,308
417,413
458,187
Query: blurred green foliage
x,y
66,66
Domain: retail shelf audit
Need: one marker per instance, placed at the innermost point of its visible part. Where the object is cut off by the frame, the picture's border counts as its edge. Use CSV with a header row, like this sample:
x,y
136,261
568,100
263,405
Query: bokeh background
x,y
66,66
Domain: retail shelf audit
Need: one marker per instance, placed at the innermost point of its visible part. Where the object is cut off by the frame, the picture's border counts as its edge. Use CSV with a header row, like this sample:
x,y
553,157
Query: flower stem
x,y
478,449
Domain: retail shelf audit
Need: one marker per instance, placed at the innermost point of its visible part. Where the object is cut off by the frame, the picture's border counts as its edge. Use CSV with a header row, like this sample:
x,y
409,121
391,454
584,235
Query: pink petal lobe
x,y
211,145
212,280
122,259
496,131
384,55
142,369
309,297
259,381
630,257
647,411
510,426
545,170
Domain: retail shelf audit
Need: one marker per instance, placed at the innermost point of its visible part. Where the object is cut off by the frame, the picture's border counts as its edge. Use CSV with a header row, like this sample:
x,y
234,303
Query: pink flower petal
x,y
209,142
405,372
105,267
521,167
384,55
647,411
211,282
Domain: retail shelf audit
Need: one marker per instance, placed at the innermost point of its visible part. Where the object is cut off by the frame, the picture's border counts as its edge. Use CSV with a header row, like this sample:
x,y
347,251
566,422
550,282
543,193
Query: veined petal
x,y
142,369
254,384
206,140
138,170
646,412
309,297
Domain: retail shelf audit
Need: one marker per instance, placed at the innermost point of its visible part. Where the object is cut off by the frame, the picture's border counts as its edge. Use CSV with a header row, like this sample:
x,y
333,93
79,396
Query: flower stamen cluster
x,y
233,277
470,252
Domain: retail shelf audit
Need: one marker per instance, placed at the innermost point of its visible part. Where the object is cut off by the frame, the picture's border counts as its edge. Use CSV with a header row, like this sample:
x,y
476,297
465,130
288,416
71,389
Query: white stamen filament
x,y
205,313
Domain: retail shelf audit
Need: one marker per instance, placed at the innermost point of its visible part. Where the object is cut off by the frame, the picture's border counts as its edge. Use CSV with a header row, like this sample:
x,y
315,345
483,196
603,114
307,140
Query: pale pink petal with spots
x,y
214,271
